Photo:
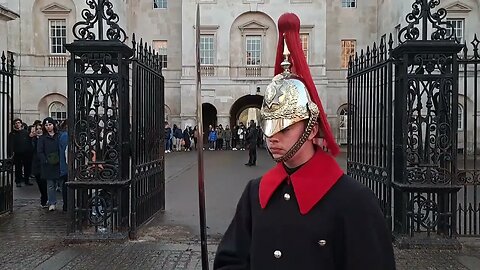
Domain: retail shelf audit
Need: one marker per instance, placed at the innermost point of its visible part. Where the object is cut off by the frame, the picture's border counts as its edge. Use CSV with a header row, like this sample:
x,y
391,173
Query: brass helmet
x,y
285,103
292,97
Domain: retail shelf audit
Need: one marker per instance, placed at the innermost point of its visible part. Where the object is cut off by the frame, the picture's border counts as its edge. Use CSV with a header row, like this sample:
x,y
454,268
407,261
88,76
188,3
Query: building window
x,y
343,125
159,3
254,50
57,111
160,46
348,49
304,39
349,3
458,28
460,117
57,36
207,51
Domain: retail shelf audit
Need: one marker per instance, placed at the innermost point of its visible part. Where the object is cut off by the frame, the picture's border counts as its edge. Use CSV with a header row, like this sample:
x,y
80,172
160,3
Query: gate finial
x,y
102,11
424,14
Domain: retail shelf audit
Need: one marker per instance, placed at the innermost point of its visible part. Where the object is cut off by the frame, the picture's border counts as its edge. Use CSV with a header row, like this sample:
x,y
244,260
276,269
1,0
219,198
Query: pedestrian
x,y
186,139
220,137
35,133
251,141
241,136
305,213
212,138
168,135
48,153
63,148
178,136
20,147
227,135
195,136
234,138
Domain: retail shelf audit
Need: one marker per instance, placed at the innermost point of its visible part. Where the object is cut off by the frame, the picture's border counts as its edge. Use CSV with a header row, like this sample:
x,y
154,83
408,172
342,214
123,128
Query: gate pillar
x,y
98,126
425,126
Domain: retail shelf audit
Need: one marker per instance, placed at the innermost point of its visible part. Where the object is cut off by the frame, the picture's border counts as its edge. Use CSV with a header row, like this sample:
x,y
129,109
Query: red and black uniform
x,y
314,218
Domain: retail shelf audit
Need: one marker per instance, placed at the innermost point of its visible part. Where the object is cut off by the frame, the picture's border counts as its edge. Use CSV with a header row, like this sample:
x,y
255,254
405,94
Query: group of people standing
x,y
237,138
39,150
178,140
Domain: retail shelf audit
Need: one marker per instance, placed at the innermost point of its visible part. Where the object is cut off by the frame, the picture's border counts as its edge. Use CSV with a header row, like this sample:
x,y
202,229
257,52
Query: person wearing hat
x,y
304,213
49,155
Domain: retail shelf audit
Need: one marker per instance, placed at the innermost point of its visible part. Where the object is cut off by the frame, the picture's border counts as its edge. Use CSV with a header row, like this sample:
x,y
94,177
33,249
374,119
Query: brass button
x,y
277,254
322,242
286,196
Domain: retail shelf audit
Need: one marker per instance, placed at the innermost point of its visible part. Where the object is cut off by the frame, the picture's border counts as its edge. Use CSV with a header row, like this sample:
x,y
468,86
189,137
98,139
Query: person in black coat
x,y
49,156
19,145
35,132
251,139
305,213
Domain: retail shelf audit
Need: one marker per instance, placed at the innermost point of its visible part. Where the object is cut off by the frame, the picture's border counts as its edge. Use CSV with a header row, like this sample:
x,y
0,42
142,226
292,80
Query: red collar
x,y
310,182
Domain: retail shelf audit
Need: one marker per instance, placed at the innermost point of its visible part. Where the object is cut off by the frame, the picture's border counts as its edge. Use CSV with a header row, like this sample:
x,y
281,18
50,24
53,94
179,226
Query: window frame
x,y
63,113
343,59
165,2
258,38
212,50
307,51
63,38
158,49
456,20
348,3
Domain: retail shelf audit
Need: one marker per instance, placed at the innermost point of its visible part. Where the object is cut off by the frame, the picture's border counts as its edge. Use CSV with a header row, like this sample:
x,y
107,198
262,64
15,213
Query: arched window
x,y
460,117
342,124
57,111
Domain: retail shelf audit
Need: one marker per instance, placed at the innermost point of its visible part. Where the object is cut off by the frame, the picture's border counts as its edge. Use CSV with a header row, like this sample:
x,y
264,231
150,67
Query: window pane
x,y
458,28
348,49
159,3
349,3
304,40
253,50
58,36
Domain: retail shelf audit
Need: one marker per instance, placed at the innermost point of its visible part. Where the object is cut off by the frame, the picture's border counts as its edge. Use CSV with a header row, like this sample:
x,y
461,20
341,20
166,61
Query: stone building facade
x,y
238,49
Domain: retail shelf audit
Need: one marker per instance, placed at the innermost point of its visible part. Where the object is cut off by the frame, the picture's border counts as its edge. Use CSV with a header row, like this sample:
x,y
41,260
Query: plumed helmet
x,y
285,103
292,97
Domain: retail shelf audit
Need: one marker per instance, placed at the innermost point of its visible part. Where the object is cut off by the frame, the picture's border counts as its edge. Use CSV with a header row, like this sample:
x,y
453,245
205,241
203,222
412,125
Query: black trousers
x,y
252,154
42,186
23,166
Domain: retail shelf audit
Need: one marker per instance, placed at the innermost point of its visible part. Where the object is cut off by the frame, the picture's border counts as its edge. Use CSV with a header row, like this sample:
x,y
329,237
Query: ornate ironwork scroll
x,y
421,17
101,11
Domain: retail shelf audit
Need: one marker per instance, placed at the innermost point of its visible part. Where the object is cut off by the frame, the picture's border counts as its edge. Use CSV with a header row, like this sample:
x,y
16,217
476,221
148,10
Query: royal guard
x,y
305,213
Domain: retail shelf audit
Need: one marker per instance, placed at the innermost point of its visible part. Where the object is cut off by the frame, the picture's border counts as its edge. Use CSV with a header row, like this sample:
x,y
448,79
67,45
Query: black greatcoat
x,y
343,230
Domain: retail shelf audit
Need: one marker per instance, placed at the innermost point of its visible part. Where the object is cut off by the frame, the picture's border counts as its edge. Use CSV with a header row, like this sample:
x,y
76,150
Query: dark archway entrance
x,y
245,102
209,117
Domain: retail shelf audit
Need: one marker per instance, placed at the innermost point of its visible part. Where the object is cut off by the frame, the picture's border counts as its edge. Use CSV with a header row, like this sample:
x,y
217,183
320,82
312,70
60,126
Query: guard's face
x,y
283,140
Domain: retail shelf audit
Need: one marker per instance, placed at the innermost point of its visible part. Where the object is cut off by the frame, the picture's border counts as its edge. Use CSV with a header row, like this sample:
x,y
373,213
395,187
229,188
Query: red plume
x,y
289,30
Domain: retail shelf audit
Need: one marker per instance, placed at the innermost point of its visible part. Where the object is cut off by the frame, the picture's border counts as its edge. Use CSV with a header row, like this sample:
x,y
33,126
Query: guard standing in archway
x,y
251,140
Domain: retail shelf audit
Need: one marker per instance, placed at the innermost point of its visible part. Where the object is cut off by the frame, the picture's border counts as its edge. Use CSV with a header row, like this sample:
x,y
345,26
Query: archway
x,y
209,117
245,102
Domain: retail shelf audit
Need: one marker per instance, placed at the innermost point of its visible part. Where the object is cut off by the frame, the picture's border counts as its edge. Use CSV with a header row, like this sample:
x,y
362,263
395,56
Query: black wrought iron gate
x,y
148,175
414,126
116,170
6,122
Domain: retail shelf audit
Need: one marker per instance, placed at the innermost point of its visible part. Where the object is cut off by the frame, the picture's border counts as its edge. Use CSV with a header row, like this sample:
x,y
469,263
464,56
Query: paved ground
x,y
32,238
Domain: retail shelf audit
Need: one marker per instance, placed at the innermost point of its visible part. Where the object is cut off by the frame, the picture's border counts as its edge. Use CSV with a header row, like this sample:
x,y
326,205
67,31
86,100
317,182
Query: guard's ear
x,y
315,131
